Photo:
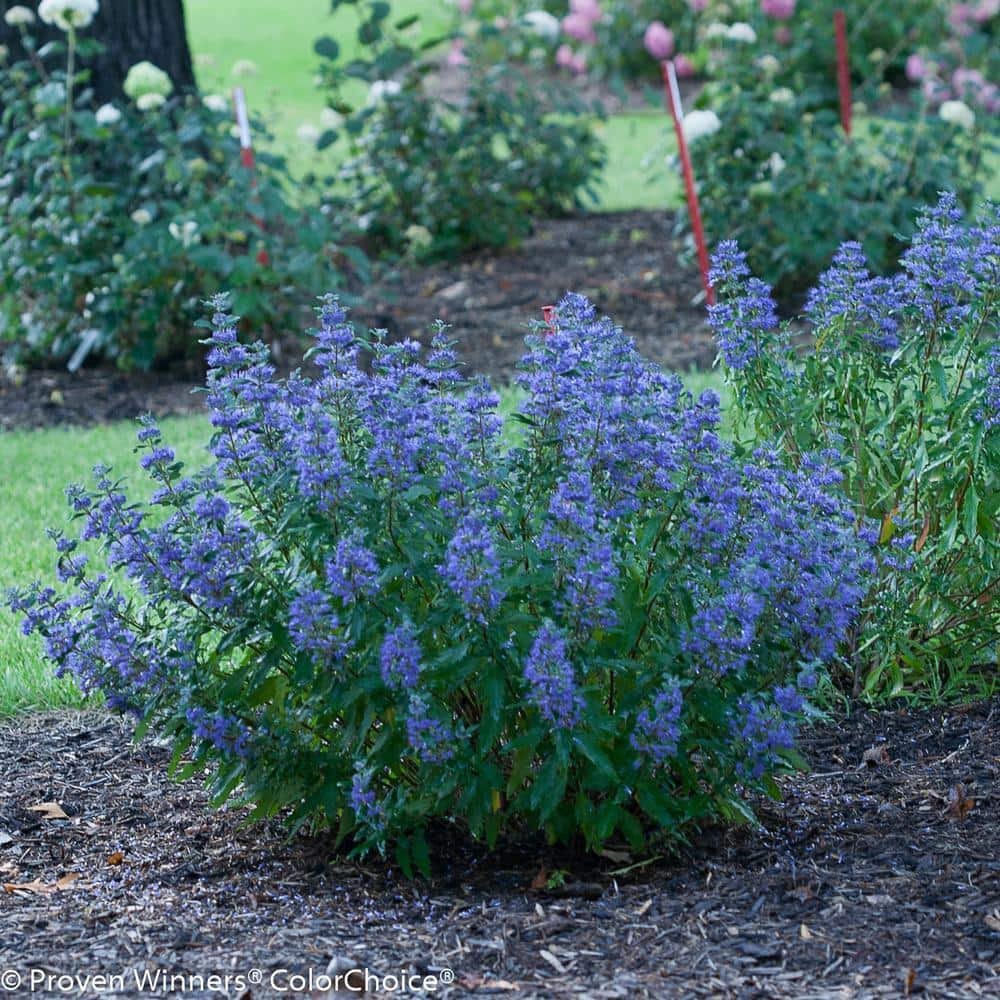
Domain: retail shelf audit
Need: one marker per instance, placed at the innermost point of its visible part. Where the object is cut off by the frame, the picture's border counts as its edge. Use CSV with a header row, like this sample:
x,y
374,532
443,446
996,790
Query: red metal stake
x,y
843,69
694,209
247,157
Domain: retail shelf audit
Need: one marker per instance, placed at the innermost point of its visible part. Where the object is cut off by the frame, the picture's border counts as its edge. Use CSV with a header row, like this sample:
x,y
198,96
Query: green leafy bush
x,y
781,177
379,608
436,175
117,222
902,374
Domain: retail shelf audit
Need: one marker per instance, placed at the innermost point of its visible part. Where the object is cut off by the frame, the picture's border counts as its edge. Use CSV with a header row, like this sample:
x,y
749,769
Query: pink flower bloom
x,y
659,40
988,98
697,5
579,27
935,91
781,10
963,79
465,6
457,56
564,57
959,17
585,8
985,10
783,35
579,63
683,67
916,68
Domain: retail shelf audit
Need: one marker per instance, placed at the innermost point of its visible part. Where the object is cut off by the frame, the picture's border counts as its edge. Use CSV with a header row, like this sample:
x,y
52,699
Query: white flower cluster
x,y
147,85
698,124
68,14
19,16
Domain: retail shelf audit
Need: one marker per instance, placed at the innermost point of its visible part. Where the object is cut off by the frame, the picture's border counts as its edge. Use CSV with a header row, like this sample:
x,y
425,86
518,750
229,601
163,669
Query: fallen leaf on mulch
x,y
5,838
42,888
805,933
553,961
876,756
49,810
909,981
541,880
116,858
959,803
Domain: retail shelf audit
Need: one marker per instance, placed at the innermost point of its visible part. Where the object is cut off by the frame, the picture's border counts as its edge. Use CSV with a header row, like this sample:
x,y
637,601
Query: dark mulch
x,y
626,262
871,879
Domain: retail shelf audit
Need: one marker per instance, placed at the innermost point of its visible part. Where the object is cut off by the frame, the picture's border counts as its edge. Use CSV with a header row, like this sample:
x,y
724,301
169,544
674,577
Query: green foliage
x,y
436,175
116,223
780,176
902,376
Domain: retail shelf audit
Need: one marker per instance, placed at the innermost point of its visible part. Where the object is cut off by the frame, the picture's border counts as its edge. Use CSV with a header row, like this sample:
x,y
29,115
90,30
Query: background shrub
x,y
438,175
116,222
901,374
381,607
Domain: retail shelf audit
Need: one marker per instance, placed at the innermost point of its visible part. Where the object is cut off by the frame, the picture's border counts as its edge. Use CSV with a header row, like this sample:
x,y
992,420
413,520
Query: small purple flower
x,y
313,626
745,314
657,732
472,568
551,681
353,570
428,736
400,658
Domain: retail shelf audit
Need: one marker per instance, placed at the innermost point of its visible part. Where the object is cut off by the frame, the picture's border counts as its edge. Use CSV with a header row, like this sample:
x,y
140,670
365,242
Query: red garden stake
x,y
247,157
843,69
549,315
694,209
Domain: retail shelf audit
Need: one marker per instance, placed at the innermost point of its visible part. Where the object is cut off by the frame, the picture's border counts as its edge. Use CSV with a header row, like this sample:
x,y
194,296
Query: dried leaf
x,y
541,880
922,540
805,933
909,981
960,804
876,756
42,888
619,857
49,810
116,858
644,909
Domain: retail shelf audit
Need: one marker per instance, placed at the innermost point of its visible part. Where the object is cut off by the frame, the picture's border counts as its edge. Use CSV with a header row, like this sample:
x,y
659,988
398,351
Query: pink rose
x,y
988,98
783,35
959,17
963,79
935,91
579,27
457,56
697,5
916,68
659,40
683,67
781,10
585,8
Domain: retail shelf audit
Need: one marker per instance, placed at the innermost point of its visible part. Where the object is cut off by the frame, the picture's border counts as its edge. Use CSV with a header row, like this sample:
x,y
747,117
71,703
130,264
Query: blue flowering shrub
x,y
902,374
379,606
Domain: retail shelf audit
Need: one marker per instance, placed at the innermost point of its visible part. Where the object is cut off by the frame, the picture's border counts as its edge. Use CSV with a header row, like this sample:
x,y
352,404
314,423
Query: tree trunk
x,y
129,31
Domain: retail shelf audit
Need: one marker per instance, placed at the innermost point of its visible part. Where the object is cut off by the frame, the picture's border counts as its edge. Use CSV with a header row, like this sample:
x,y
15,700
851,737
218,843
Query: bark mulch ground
x,y
627,262
877,876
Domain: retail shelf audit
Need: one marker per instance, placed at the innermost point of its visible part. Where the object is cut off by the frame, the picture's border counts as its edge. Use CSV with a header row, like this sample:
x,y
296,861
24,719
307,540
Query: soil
x,y
626,262
875,876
